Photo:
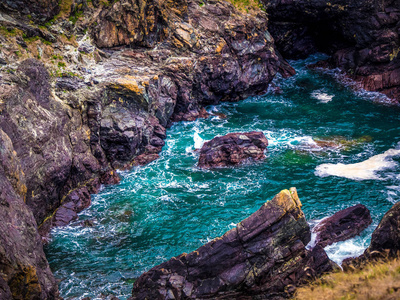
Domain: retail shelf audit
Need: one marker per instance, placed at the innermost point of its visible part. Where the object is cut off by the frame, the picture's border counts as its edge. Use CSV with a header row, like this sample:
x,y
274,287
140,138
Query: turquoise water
x,y
170,206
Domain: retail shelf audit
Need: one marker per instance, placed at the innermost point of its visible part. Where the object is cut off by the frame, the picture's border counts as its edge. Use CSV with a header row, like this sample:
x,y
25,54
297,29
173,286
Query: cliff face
x,y
71,112
362,36
24,271
263,257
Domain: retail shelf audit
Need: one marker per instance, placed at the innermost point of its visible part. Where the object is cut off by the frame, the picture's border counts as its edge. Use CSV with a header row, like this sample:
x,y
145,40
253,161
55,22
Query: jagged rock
x,y
386,237
25,273
232,149
362,36
343,225
41,10
261,258
385,240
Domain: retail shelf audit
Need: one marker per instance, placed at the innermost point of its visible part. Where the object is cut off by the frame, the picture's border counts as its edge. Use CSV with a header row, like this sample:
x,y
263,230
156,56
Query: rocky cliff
x,y
88,92
362,37
263,257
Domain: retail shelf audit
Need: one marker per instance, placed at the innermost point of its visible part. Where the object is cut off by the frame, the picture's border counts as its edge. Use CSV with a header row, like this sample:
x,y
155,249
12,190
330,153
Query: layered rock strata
x,y
233,149
361,36
263,257
74,113
343,225
24,271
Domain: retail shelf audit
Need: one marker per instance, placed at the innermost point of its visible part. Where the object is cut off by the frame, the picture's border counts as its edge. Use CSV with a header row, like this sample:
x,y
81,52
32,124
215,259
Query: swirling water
x,y
170,206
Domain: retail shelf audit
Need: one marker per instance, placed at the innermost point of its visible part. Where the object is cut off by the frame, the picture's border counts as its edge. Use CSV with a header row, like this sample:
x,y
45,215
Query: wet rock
x,y
385,241
386,237
232,149
263,257
343,225
361,36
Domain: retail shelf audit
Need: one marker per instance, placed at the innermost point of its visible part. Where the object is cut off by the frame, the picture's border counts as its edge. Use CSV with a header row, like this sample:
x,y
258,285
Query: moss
x,y
61,64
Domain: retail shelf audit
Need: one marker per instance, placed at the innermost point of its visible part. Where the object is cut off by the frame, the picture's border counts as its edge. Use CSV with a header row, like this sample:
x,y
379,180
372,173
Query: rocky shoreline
x,y
83,93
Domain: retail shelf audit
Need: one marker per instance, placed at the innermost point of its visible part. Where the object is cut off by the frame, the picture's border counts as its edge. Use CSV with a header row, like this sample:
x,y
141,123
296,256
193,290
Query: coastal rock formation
x,y
263,257
232,149
385,240
362,37
41,10
24,271
386,237
343,225
74,113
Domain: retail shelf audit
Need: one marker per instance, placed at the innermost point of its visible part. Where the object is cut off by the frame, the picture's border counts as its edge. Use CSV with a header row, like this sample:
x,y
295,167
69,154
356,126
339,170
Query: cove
x,y
170,206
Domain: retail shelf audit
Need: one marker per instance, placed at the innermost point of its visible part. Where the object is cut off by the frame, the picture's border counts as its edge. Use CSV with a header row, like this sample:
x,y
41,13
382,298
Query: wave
x,y
364,170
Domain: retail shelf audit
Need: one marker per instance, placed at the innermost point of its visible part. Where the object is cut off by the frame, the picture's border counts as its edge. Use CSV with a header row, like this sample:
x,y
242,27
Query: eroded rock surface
x,y
385,241
362,36
343,225
263,257
233,149
24,271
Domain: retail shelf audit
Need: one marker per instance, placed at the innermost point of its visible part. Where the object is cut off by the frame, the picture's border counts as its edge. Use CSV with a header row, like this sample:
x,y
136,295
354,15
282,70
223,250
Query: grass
x,y
246,5
380,280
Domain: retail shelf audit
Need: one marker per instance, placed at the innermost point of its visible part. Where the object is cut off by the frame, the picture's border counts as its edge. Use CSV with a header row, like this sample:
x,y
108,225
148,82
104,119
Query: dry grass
x,y
247,5
375,281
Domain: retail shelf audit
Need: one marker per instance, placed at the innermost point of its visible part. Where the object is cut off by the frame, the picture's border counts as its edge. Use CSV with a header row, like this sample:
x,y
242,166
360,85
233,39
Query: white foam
x,y
321,96
363,170
342,250
198,141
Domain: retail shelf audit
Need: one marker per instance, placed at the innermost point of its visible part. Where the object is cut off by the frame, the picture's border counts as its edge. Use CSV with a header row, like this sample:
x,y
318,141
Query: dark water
x,y
170,206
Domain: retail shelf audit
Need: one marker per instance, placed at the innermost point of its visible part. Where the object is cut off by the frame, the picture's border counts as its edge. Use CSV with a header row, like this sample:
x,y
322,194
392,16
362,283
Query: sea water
x,y
333,144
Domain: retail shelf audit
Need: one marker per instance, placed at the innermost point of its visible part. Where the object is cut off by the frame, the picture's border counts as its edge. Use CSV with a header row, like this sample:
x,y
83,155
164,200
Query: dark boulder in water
x,y
232,149
343,225
263,257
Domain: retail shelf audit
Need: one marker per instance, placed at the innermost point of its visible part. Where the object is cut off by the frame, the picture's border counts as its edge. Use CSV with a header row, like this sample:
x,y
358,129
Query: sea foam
x,y
364,170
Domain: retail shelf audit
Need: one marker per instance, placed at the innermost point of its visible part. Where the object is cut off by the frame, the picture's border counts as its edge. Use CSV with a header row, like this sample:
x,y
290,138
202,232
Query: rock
x,y
232,149
41,10
385,241
25,273
362,37
386,237
343,225
261,258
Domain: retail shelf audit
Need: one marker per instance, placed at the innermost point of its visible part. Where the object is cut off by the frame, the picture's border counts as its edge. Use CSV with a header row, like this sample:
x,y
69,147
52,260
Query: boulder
x,y
263,257
343,225
233,149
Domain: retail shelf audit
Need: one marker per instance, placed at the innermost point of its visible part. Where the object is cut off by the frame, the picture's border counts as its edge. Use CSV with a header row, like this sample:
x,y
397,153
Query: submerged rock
x,y
263,257
343,225
232,149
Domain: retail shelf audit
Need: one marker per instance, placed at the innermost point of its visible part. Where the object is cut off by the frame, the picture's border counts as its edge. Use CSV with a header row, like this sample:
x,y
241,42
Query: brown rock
x,y
259,259
232,149
343,225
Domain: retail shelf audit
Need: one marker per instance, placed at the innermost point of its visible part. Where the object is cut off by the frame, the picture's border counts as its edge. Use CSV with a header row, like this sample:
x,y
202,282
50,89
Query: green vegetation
x,y
375,281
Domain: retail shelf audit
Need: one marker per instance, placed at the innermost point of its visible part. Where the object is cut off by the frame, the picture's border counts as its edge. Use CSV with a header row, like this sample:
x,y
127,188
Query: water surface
x,y
170,206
